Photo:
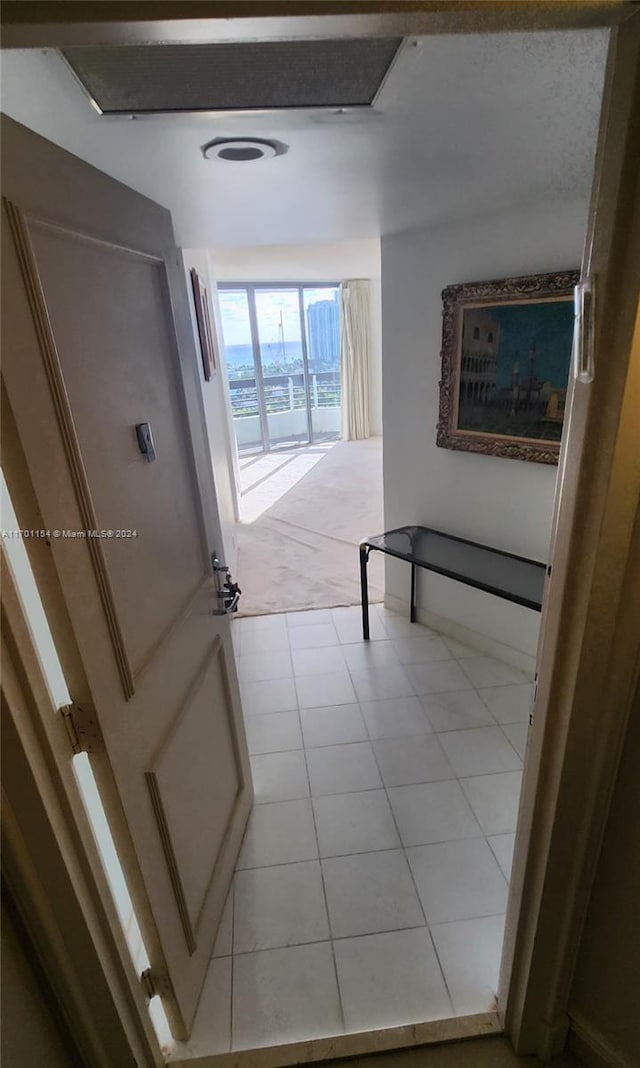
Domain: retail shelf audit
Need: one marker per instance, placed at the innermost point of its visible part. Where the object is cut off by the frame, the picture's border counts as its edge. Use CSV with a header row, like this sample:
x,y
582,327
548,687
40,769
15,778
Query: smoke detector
x,y
242,149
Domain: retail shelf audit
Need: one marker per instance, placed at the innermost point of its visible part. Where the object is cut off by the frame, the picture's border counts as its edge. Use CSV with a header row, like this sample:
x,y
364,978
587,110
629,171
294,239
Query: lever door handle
x,y
230,606
233,605
227,591
583,334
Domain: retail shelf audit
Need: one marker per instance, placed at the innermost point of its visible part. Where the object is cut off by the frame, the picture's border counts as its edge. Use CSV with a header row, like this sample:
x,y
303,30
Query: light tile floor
x,y
372,882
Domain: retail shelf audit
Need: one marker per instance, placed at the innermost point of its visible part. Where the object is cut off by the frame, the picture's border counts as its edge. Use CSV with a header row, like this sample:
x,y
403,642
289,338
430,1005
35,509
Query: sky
x,y
549,325
269,304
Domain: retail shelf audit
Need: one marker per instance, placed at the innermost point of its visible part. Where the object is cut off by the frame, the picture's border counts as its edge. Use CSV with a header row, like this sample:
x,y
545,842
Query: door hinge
x,y
82,729
148,984
155,983
533,698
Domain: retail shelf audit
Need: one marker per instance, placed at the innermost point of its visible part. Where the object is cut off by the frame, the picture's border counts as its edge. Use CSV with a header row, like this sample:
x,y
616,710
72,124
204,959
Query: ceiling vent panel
x,y
268,75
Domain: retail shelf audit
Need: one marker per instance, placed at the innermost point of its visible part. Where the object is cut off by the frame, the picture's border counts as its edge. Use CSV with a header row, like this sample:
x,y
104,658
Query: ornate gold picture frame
x,y
506,356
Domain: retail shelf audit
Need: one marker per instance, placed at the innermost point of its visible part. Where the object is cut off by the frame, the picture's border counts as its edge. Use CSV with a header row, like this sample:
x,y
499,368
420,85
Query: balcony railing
x,y
284,393
285,402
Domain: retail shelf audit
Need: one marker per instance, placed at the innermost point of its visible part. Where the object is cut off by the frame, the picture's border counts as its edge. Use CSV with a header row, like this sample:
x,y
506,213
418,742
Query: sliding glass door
x,y
245,385
283,361
282,346
321,308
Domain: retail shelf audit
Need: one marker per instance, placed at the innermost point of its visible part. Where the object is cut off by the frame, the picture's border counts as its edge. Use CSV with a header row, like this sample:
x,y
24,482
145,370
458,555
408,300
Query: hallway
x,y
372,883
303,512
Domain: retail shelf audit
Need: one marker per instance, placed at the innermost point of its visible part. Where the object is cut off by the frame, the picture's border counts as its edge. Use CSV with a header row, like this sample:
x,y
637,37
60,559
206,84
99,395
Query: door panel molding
x,y
20,222
172,626
190,924
139,659
19,226
86,238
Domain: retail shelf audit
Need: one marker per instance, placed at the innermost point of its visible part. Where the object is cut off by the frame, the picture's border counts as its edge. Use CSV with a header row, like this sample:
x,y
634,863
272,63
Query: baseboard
x,y
485,645
591,1048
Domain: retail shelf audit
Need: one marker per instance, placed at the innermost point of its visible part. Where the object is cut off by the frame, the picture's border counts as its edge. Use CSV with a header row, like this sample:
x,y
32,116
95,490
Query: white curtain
x,y
354,359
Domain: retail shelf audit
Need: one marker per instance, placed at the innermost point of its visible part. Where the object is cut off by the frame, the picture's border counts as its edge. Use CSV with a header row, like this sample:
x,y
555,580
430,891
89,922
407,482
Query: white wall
x,y
221,439
316,263
505,503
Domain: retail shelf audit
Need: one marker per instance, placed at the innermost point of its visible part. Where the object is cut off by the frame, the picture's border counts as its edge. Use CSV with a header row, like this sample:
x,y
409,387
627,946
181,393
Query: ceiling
x,y
463,126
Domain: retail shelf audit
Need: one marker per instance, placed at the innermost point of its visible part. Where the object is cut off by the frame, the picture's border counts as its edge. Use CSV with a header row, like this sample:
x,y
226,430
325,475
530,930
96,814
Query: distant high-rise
x,y
323,329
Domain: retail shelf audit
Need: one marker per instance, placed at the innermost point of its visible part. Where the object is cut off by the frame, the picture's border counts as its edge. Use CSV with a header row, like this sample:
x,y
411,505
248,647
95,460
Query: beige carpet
x,y
303,551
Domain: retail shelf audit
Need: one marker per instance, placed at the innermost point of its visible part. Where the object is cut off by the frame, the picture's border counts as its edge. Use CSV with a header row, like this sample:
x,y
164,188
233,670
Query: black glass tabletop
x,y
514,577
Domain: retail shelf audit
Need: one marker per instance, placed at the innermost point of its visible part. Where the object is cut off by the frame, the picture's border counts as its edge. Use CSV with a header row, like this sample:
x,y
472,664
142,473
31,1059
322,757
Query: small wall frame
x,y
506,358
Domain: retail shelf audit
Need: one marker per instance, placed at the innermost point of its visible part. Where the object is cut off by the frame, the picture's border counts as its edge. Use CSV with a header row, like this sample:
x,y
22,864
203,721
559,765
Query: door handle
x,y
583,334
227,591
232,606
228,598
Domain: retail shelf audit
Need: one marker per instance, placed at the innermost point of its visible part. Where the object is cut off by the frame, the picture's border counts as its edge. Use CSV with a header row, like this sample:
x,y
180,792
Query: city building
x,y
323,326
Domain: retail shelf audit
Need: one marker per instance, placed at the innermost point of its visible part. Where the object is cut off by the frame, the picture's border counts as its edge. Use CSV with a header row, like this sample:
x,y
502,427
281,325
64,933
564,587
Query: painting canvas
x,y
506,356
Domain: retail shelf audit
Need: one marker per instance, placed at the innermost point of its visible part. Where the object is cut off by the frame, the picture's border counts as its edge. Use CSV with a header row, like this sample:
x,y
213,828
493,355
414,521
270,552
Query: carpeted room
x,y
302,551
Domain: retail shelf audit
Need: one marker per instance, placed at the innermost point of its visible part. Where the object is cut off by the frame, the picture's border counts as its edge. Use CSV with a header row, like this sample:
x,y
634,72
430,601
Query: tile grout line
x,y
442,971
496,856
413,882
326,902
408,863
400,839
485,835
368,789
351,937
368,852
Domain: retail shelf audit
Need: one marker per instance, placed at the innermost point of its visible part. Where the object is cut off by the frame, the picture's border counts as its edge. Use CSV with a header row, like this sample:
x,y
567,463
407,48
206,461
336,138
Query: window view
x,y
282,347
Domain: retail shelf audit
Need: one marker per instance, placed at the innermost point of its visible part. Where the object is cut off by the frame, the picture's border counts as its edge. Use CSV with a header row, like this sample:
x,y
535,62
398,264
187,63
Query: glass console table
x,y
513,578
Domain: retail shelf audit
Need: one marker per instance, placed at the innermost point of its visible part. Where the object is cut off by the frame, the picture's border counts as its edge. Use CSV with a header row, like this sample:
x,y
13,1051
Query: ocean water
x,y
276,359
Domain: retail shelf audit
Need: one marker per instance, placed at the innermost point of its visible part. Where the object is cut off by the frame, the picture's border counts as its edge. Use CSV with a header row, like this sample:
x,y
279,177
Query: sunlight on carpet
x,y
264,479
301,549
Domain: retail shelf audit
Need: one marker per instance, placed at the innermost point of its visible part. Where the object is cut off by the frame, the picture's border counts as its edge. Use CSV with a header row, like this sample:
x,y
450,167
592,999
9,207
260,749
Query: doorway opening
x,y
458,712
306,496
282,350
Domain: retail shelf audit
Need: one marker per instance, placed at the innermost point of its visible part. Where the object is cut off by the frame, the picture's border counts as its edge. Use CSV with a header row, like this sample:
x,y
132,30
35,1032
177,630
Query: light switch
x,y
145,441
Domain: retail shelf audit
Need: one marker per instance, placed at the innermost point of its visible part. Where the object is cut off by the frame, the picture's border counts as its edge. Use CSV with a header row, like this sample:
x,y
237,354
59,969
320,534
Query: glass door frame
x,y
299,287
257,367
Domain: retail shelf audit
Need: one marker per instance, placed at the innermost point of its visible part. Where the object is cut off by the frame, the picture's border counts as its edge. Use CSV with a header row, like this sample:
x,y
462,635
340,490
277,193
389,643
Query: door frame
x,y
42,24
593,520
589,651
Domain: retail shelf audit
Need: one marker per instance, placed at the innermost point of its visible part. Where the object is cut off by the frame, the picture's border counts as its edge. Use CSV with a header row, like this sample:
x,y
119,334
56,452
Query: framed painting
x,y
506,357
205,333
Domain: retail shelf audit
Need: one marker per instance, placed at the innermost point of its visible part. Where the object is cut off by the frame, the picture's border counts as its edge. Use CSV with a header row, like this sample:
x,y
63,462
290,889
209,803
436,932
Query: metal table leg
x,y
364,591
412,616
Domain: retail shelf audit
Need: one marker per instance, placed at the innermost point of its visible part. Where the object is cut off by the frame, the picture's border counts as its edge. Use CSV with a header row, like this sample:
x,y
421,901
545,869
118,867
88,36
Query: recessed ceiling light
x,y
243,149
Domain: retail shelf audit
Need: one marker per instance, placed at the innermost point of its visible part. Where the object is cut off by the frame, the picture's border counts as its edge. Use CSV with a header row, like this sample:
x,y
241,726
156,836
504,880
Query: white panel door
x,y
97,339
